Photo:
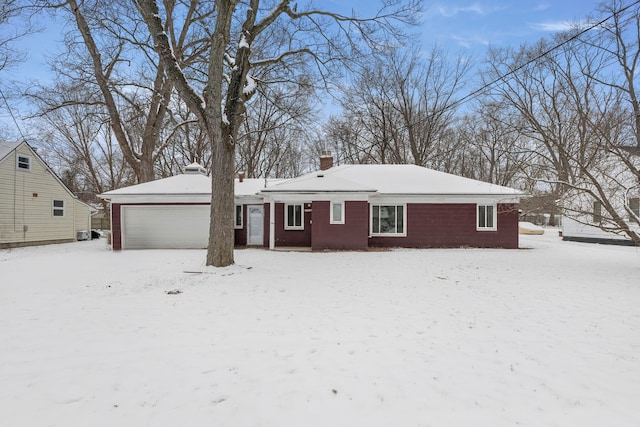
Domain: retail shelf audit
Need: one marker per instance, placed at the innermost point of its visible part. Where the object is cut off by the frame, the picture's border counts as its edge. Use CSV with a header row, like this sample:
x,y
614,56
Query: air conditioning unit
x,y
83,235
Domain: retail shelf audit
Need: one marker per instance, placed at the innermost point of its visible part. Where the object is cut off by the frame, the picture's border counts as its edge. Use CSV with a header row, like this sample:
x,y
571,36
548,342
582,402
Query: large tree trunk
x,y
221,231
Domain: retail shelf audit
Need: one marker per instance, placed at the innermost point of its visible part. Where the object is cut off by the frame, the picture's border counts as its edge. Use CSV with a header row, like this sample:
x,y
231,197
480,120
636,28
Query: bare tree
x,y
494,140
578,124
110,60
10,10
76,140
403,104
275,130
326,38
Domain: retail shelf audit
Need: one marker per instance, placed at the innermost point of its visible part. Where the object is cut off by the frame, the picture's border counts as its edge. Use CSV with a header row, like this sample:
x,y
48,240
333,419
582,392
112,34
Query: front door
x,y
255,226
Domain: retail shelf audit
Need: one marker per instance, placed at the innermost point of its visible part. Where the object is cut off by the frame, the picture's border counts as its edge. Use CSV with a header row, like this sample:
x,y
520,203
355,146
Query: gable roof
x,y
7,148
389,180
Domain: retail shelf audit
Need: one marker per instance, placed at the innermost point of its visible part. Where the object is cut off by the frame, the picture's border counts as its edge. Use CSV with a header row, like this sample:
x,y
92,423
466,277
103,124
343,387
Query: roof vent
x,y
195,168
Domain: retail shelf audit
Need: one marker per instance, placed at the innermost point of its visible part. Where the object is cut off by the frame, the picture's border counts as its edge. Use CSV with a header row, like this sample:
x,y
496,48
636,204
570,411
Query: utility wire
x,y
13,117
538,57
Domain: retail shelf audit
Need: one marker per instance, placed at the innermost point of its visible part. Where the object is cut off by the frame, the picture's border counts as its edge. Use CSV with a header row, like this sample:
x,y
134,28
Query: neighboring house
x,y
351,207
585,217
36,208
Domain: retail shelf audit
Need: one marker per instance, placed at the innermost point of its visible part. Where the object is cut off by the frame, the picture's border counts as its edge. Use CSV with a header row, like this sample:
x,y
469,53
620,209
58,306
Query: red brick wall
x,y
240,234
453,225
266,224
295,238
116,227
353,234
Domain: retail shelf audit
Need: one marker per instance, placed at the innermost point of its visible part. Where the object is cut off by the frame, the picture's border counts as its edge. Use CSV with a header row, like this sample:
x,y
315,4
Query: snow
x,y
250,86
526,227
187,185
395,179
243,42
544,335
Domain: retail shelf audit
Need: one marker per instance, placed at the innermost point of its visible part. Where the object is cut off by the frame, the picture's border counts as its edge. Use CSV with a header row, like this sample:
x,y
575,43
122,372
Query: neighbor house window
x,y
337,213
238,217
486,218
597,212
293,217
634,206
58,208
24,162
388,220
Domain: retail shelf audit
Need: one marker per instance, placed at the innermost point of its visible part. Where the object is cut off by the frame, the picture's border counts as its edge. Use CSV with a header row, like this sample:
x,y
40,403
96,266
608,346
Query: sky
x,y
465,26
472,26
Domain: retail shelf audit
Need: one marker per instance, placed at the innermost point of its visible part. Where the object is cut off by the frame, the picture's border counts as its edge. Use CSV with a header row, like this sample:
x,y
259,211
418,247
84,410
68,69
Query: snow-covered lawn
x,y
542,336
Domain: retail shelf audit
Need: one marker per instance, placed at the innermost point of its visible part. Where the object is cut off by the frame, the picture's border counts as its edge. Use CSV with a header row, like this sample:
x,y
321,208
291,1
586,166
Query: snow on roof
x,y
389,179
189,184
320,181
7,147
179,184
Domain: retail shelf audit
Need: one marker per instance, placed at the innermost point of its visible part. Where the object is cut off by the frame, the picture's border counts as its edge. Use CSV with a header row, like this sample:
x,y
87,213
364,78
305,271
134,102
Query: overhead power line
x,y
540,56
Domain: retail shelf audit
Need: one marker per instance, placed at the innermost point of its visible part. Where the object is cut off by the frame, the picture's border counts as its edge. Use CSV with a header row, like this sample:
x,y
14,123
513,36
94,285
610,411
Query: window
x,y
597,212
24,162
388,220
238,217
634,206
486,218
337,213
58,208
293,217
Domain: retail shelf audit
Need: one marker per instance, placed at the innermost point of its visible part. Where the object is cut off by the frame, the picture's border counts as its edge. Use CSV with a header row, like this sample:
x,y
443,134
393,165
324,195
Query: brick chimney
x,y
240,176
326,160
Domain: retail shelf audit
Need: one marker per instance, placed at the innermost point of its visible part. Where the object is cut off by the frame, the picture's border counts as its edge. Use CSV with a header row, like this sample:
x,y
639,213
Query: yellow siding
x,y
26,203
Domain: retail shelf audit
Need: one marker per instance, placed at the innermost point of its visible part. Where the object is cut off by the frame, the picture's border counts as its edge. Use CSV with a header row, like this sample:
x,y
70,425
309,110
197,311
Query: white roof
x,y
389,179
188,184
7,147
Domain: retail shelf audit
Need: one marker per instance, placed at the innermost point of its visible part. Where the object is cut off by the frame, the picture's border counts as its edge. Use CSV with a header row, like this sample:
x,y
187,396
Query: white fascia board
x,y
249,200
444,198
281,197
159,198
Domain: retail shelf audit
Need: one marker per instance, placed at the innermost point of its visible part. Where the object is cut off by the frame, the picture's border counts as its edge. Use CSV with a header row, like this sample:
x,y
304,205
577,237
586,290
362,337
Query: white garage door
x,y
165,227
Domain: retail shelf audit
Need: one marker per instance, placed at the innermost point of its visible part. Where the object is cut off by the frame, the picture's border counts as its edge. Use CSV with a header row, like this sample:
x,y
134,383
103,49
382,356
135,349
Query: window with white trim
x,y
486,218
23,162
337,213
634,207
238,217
388,220
58,207
597,212
293,217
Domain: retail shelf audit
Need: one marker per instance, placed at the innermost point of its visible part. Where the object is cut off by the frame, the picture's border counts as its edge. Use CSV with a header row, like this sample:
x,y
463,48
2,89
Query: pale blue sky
x,y
468,25
457,25
473,25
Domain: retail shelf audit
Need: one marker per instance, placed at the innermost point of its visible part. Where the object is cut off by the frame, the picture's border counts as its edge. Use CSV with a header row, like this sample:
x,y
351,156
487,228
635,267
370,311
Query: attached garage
x,y
165,226
173,212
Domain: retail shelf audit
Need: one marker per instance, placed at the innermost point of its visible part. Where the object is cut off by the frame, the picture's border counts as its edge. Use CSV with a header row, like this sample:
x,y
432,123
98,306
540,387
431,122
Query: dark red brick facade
x,y
240,234
453,225
427,226
352,235
116,227
293,238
